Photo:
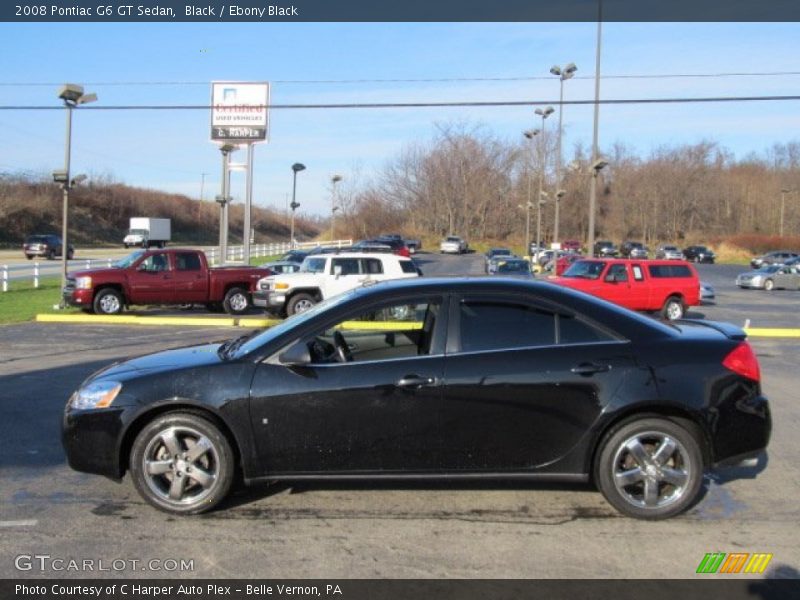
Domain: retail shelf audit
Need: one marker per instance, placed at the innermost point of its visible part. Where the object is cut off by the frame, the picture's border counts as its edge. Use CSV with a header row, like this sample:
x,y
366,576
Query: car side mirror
x,y
297,355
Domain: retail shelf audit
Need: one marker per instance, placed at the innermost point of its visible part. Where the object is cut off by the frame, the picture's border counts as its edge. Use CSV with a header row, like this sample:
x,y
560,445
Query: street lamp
x,y
544,113
334,180
595,126
597,166
530,134
568,72
72,95
224,200
296,168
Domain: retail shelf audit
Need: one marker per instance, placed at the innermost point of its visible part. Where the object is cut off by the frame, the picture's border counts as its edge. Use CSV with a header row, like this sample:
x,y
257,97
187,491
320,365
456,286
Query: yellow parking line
x,y
772,332
136,320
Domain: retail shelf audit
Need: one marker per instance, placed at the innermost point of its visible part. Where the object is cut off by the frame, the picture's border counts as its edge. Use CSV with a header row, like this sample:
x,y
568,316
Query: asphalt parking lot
x,y
390,530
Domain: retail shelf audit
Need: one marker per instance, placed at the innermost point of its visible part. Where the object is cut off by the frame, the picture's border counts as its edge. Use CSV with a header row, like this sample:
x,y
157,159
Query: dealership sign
x,y
239,111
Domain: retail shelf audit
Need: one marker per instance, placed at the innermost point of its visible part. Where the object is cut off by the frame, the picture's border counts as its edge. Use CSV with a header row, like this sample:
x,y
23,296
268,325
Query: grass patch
x,y
23,302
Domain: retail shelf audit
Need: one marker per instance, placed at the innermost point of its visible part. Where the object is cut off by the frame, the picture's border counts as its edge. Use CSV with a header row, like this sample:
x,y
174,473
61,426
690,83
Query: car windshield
x,y
514,266
670,248
138,231
124,263
453,239
313,265
36,239
770,269
239,347
585,269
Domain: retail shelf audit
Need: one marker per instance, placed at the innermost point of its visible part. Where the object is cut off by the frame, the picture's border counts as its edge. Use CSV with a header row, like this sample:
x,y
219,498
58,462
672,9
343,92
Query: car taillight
x,y
403,252
742,360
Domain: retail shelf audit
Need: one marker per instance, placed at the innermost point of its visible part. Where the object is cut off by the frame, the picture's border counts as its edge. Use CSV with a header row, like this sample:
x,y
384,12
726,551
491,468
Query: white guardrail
x,y
37,270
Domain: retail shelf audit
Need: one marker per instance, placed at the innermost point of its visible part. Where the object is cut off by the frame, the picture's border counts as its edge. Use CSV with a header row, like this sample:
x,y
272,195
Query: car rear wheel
x,y
236,301
673,308
769,285
108,302
651,468
51,254
182,463
299,303
70,254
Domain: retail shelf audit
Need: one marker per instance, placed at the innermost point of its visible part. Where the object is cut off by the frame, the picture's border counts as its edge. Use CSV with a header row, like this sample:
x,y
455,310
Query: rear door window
x,y
667,271
493,325
187,261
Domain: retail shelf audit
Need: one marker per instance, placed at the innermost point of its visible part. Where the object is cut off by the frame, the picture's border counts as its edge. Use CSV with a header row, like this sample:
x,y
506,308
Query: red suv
x,y
667,286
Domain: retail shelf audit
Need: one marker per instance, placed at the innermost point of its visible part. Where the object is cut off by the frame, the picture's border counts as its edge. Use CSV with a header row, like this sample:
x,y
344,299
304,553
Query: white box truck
x,y
147,232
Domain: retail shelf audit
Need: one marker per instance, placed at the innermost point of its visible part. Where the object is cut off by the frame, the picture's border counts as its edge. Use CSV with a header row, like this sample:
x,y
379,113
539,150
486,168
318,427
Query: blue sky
x,y
170,150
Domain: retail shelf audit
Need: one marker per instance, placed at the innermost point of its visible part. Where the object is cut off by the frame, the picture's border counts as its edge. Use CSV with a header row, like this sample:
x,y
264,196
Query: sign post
x,y
240,116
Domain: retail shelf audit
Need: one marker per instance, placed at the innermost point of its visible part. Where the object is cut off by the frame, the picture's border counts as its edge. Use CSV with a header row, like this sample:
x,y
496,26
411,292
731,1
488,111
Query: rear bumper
x,y
741,424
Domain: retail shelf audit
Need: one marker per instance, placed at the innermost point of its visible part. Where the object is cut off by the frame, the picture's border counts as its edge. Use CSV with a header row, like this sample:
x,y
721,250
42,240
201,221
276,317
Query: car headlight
x,y
98,394
83,283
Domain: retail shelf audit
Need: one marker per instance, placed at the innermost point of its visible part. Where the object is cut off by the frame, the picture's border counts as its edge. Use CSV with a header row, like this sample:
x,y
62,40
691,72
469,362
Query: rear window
x,y
36,239
668,271
408,266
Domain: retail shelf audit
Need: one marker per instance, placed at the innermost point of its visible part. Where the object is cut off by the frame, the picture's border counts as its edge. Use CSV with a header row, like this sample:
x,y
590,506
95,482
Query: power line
x,y
456,104
420,80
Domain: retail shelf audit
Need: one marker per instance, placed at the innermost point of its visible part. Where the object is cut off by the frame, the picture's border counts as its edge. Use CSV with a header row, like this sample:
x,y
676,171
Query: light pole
x,y
334,180
224,199
544,113
595,167
568,72
73,96
595,152
296,168
530,134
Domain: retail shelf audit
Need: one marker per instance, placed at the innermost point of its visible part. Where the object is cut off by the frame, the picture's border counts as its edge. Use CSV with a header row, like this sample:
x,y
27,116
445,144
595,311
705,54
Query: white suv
x,y
453,244
325,275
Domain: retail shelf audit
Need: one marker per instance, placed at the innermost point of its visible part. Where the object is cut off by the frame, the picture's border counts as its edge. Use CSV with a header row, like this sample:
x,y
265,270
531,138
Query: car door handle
x,y
590,369
415,381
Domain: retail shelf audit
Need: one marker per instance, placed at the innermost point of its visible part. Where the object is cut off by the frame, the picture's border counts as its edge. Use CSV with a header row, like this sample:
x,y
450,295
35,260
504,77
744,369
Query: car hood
x,y
94,272
167,360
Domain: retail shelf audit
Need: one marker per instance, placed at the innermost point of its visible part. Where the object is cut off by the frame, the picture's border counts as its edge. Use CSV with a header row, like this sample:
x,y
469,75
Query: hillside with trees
x,y
100,213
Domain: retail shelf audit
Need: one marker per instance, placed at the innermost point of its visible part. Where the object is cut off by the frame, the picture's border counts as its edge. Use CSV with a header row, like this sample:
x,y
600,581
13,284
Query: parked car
x,y
633,250
397,245
537,382
777,257
534,248
453,244
699,254
279,267
510,266
370,246
771,277
571,245
668,252
493,252
413,246
605,249
174,276
296,256
653,285
324,276
564,262
46,245
706,293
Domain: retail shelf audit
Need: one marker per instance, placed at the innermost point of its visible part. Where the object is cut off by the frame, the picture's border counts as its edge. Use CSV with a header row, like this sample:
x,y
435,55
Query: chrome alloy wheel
x,y
651,470
110,304
181,465
238,302
302,305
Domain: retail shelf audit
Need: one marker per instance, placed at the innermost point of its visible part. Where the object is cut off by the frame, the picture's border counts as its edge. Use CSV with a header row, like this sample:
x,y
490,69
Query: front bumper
x,y
91,440
267,299
80,298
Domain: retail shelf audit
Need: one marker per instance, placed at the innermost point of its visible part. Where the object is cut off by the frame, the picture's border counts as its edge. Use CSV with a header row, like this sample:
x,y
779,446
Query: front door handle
x,y
590,369
415,381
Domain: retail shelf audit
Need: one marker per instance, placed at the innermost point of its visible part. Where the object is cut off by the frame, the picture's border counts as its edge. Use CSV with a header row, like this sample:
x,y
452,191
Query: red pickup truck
x,y
667,286
174,276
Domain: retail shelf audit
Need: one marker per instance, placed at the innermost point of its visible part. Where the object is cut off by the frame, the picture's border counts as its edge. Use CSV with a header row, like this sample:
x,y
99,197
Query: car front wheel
x,y
299,303
769,285
108,302
651,468
182,463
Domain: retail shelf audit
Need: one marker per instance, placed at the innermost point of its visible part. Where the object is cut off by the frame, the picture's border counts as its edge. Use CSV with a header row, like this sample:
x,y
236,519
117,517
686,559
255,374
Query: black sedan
x,y
435,378
699,254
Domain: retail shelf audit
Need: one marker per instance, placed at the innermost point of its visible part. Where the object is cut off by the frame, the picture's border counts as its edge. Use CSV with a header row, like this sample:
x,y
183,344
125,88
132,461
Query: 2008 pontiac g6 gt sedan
x,y
456,378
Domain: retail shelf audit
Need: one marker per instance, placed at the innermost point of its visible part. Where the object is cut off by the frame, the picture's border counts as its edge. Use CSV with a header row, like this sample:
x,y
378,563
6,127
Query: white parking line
x,y
22,523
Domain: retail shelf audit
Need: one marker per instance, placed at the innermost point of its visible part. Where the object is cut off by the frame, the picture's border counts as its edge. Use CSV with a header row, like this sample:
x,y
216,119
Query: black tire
x,y
108,301
299,303
126,246
29,256
769,285
236,302
51,254
673,308
70,254
166,444
665,483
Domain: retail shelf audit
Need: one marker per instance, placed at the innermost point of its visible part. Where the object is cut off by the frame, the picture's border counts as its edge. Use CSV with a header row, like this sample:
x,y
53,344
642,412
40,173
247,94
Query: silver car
x,y
669,252
453,244
771,277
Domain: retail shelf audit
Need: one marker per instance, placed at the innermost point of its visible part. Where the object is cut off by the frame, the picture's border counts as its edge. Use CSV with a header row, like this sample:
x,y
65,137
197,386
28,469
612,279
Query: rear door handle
x,y
415,381
590,369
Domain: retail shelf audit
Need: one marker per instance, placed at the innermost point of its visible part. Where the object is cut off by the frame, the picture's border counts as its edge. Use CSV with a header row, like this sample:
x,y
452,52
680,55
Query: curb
x,y
140,320
772,332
